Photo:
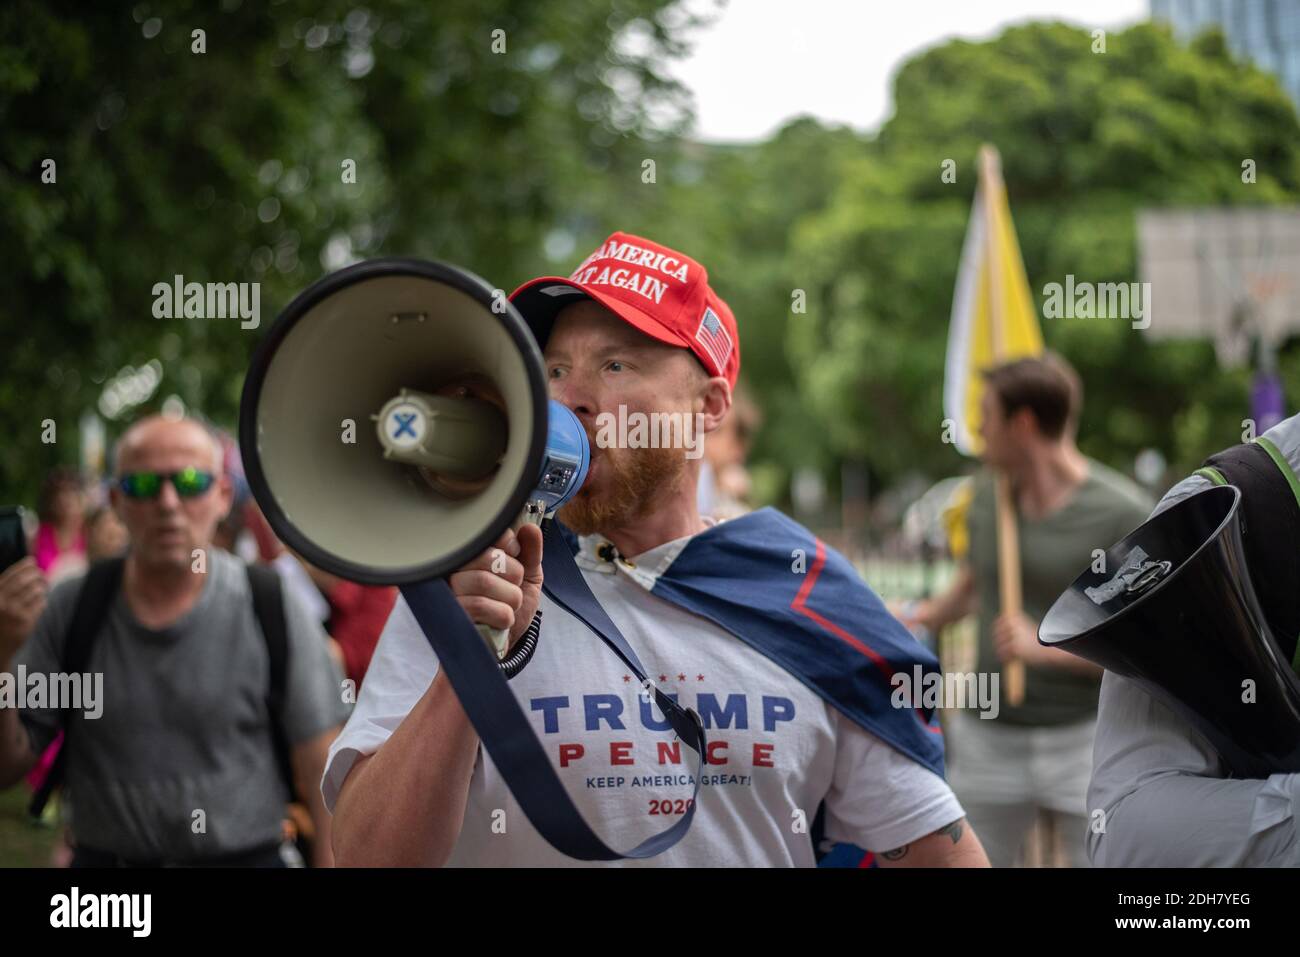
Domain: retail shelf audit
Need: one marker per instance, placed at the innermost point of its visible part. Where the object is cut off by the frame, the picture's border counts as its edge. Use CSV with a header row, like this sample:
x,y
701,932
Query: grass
x,y
22,844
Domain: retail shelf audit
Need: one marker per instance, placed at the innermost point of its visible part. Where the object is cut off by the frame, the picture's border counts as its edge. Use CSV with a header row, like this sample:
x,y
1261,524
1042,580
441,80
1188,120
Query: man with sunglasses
x,y
181,766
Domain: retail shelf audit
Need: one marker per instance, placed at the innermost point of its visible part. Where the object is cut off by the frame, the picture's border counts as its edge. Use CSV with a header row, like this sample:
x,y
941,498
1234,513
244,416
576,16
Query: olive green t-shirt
x,y
1054,549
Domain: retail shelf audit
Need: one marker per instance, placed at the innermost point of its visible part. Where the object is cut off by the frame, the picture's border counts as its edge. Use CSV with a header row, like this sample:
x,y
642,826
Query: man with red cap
x,y
767,634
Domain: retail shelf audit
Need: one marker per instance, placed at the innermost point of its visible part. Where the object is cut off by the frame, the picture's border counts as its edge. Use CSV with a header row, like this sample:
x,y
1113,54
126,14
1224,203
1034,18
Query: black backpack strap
x,y
1270,514
102,582
268,607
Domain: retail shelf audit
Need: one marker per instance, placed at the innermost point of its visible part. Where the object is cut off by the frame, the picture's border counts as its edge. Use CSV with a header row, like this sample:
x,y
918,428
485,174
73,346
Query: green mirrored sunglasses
x,y
188,483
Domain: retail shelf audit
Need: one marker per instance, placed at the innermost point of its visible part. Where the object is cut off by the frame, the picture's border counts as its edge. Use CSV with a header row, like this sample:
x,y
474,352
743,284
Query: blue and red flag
x,y
775,586
769,581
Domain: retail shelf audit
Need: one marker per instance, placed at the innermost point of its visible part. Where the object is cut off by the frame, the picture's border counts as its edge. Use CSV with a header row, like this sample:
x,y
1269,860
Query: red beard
x,y
632,483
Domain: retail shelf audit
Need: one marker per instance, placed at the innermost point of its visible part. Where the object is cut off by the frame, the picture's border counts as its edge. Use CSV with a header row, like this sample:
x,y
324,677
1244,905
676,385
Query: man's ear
x,y
714,402
1024,425
226,489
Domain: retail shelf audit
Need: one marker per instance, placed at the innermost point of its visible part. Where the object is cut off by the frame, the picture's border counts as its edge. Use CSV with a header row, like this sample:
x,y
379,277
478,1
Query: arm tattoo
x,y
953,830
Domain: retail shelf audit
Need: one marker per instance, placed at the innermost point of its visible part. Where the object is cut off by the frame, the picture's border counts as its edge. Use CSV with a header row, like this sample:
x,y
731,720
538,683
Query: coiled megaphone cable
x,y
523,649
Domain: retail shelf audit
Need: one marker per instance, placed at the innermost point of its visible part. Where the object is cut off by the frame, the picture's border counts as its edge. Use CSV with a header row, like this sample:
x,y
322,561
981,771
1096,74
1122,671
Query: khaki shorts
x,y
997,762
1004,774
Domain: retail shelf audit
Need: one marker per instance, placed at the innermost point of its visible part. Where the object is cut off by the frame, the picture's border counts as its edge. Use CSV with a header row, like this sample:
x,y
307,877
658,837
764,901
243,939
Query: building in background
x,y
1267,32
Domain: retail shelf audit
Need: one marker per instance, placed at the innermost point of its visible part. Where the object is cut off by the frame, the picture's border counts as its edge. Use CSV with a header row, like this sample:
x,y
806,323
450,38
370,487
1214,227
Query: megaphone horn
x,y
1175,611
395,421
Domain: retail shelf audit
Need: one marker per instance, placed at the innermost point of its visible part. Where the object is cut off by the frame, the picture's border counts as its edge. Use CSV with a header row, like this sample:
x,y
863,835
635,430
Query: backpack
x,y
102,583
1270,518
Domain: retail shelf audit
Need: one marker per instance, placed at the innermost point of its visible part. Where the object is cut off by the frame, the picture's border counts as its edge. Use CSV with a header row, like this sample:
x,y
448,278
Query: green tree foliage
x,y
1087,139
475,126
511,137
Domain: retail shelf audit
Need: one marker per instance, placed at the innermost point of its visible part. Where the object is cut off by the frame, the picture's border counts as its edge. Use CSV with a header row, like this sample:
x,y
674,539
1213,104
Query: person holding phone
x,y
23,587
191,717
23,591
60,543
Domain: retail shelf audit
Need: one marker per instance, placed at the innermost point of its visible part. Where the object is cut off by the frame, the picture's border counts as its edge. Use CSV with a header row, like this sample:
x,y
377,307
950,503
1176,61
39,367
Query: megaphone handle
x,y
498,639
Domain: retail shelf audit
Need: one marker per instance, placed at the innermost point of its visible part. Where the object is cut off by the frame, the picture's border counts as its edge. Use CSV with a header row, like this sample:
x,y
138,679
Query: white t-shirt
x,y
777,750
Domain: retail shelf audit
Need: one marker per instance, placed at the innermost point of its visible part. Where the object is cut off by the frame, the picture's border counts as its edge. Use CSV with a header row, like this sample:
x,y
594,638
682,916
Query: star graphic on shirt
x,y
663,677
699,677
627,678
681,677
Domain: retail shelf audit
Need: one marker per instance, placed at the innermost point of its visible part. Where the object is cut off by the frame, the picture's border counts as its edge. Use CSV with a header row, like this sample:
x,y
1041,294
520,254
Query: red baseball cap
x,y
658,290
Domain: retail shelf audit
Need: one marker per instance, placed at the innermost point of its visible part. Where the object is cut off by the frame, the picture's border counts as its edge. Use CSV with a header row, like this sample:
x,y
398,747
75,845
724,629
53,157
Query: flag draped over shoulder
x,y
778,588
819,621
994,318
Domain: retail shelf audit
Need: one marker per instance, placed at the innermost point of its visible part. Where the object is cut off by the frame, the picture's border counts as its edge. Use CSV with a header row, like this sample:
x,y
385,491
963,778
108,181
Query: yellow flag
x,y
994,318
953,517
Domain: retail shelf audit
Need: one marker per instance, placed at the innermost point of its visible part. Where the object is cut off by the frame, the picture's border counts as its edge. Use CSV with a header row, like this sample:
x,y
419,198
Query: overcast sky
x,y
765,61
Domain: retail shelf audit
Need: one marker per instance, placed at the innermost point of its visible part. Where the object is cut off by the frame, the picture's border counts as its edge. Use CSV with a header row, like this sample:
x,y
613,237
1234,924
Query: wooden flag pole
x,y
1008,537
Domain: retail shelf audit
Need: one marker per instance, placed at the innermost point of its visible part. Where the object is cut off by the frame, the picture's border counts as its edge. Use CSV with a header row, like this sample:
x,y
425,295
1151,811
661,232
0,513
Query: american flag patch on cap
x,y
715,339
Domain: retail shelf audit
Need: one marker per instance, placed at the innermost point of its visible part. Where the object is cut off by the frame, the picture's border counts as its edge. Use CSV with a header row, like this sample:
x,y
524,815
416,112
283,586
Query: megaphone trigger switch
x,y
566,459
557,477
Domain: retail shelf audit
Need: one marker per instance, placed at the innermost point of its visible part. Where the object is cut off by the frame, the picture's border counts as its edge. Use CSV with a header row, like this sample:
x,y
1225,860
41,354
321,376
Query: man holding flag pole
x,y
1034,516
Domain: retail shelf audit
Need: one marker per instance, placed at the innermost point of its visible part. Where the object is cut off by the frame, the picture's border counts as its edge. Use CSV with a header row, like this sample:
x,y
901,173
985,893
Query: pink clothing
x,y
36,776
47,555
47,546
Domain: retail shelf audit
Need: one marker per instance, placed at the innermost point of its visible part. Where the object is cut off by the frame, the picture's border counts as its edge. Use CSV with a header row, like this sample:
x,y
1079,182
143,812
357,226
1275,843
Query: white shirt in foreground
x,y
777,749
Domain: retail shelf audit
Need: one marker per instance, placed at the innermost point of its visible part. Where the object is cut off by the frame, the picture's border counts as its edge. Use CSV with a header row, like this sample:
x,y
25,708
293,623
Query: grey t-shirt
x,y
184,726
1054,549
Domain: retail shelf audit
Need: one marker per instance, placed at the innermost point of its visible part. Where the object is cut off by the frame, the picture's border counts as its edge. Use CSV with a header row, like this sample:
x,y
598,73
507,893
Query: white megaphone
x,y
395,421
